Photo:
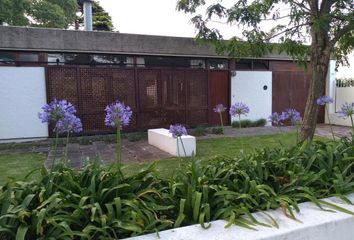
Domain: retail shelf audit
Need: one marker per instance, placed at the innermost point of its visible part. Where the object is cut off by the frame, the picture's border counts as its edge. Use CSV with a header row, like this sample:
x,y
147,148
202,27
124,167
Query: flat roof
x,y
59,40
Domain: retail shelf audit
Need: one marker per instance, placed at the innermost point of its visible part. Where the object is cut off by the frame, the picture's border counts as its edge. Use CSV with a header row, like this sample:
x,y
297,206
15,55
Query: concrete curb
x,y
313,224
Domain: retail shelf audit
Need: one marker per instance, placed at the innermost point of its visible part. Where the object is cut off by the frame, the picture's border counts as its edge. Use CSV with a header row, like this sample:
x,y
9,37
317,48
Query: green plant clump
x,y
199,131
259,123
248,123
135,136
101,203
217,130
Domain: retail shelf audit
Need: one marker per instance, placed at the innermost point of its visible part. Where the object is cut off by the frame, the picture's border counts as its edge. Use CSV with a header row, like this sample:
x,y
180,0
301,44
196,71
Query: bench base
x,y
163,140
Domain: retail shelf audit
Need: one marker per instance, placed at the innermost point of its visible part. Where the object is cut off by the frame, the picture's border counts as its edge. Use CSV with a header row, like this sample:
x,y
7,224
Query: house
x,y
164,79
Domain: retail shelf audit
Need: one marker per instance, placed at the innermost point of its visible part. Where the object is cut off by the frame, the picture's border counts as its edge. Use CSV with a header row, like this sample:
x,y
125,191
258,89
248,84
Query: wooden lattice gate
x,y
158,97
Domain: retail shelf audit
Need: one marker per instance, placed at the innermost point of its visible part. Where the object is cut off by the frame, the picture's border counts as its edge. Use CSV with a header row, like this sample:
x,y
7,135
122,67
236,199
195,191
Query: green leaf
x,y
21,232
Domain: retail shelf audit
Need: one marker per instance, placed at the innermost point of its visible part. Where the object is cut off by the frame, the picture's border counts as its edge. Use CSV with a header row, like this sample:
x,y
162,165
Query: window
x,y
249,64
244,65
140,62
173,62
89,59
20,57
56,59
166,62
218,64
28,57
260,65
77,58
7,58
197,63
113,60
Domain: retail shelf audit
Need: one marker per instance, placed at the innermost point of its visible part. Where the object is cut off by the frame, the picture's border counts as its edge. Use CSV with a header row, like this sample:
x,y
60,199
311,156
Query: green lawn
x,y
18,165
217,147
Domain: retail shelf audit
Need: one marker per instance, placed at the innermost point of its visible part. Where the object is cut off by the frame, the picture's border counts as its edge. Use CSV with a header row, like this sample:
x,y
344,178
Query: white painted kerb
x,y
315,225
162,139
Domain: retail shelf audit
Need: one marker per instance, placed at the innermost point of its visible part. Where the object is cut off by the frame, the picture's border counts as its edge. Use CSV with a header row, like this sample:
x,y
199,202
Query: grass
x,y
209,148
17,166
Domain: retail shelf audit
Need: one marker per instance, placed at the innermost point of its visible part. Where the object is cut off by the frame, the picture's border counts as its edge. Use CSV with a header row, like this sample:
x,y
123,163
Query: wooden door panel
x,y
290,90
219,84
281,94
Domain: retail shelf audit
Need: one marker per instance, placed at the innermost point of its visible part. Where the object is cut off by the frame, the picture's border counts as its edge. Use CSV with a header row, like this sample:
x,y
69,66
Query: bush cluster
x,y
248,123
101,203
200,130
217,130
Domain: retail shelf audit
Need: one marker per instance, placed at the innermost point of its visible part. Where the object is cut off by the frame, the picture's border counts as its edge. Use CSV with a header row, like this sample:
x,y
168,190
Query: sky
x,y
159,17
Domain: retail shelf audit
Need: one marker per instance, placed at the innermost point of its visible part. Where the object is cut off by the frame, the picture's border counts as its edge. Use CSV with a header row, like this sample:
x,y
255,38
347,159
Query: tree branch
x,y
301,5
338,34
286,30
275,19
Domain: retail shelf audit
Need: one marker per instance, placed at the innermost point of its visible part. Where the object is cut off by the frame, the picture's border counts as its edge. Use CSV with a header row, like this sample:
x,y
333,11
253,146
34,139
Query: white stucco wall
x,y
340,96
22,94
247,87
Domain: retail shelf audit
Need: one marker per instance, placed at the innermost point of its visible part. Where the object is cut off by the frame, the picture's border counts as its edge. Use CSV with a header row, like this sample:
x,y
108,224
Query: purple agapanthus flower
x,y
56,110
276,118
117,114
178,130
347,110
239,109
219,108
292,115
69,124
324,100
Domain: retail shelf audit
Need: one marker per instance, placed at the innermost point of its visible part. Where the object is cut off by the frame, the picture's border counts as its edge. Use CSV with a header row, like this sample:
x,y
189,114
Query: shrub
x,y
244,123
259,123
199,131
135,136
248,123
101,203
217,130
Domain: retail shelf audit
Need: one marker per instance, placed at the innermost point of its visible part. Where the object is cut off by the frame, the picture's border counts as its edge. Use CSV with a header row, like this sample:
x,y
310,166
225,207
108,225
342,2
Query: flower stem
x,y
184,150
66,148
351,119
119,147
179,155
221,122
55,147
281,133
329,121
239,122
239,126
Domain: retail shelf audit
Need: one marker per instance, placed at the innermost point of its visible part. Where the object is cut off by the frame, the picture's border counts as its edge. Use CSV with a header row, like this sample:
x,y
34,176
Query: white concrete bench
x,y
163,140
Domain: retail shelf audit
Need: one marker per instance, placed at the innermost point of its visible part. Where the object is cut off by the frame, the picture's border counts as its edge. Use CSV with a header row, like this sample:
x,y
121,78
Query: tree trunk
x,y
320,57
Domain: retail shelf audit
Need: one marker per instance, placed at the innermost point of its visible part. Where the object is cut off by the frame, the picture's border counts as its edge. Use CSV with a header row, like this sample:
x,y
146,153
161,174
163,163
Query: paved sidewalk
x,y
324,130
139,151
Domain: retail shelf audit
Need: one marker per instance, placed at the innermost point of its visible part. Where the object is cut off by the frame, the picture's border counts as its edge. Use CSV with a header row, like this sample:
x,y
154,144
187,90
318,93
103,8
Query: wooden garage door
x,y
290,90
219,84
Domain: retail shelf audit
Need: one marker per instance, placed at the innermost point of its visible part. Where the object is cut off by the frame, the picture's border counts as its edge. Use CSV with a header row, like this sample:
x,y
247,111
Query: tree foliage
x,y
51,13
12,12
327,25
101,20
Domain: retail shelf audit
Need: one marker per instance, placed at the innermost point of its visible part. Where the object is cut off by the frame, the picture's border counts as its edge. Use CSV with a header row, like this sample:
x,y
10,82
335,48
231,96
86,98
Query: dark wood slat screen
x,y
158,97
